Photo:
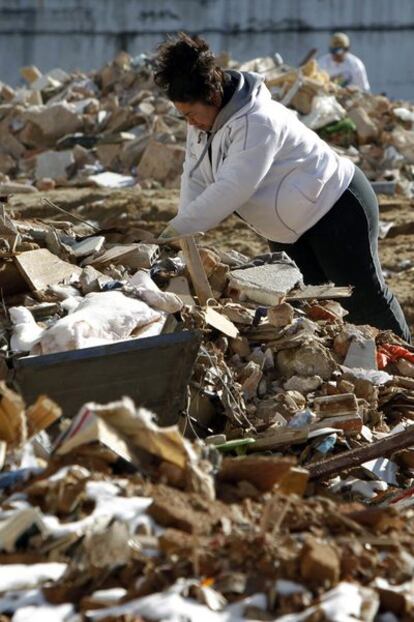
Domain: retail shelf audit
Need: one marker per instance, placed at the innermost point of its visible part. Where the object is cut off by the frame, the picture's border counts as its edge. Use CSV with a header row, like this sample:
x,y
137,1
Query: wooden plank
x,y
153,371
196,269
350,459
41,268
220,322
323,292
281,437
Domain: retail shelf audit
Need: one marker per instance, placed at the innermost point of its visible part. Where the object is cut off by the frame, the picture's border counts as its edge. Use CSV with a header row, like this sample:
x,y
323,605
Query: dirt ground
x,y
124,210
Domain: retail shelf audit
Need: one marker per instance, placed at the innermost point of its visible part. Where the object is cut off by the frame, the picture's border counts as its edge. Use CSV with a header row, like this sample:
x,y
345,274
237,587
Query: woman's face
x,y
199,114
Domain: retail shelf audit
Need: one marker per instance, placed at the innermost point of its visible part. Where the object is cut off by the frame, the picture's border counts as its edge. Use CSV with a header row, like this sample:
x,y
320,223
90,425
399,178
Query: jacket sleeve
x,y
190,187
250,157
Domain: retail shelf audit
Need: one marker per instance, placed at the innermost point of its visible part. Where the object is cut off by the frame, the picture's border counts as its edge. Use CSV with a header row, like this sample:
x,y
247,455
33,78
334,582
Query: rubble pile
x,y
106,129
285,489
113,128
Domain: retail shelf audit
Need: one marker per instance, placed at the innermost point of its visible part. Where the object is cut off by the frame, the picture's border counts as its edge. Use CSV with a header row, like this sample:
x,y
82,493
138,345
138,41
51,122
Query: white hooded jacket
x,y
266,166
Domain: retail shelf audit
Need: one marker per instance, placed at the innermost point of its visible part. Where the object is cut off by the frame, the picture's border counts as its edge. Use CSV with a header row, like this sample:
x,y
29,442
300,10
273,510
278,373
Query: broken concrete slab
x,y
179,285
319,563
89,246
54,121
266,284
362,353
310,360
40,268
280,315
53,164
161,162
134,256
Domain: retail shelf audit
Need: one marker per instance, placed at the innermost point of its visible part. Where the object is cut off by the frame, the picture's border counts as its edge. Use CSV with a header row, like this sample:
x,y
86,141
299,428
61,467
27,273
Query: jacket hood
x,y
247,89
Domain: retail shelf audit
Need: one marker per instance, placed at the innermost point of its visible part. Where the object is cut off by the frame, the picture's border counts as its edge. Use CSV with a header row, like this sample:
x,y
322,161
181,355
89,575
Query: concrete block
x,y
266,284
53,164
161,162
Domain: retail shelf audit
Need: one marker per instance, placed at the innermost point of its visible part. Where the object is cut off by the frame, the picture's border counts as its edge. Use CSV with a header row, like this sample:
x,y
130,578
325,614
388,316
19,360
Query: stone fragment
x,y
310,360
30,73
280,315
240,346
7,163
219,279
45,184
319,563
54,121
367,130
161,162
210,260
53,164
251,377
266,284
405,368
303,384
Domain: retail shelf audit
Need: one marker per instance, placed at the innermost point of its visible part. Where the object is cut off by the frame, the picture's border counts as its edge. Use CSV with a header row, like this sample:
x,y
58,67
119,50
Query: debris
x,y
299,464
266,284
134,256
41,268
319,563
356,457
53,164
161,162
196,269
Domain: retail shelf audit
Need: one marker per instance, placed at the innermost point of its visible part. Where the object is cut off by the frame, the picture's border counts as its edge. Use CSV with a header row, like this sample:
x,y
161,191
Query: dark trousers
x,y
343,248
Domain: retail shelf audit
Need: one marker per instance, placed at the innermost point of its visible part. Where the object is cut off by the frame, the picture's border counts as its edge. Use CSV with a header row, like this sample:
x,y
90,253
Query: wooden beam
x,y
355,457
196,269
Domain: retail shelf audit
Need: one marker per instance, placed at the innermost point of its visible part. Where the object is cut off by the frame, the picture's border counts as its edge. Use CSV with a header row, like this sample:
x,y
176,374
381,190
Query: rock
x,y
303,384
161,162
210,260
53,164
403,141
30,73
108,154
280,315
348,334
13,187
54,121
7,163
45,184
319,563
405,368
251,377
367,130
240,346
219,279
310,360
266,284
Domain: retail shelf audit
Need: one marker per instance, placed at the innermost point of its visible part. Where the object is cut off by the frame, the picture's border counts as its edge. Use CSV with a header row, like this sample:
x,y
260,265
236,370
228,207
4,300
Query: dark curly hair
x,y
186,70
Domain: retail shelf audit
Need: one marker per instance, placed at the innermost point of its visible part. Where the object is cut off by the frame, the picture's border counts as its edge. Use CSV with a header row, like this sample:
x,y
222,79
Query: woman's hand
x,y
169,232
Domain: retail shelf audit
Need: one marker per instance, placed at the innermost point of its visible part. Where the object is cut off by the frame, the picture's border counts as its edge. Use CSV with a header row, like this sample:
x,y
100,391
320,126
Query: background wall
x,y
87,33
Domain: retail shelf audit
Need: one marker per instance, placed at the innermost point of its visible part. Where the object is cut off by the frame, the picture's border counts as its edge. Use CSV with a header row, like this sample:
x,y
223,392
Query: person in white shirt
x,y
248,155
343,67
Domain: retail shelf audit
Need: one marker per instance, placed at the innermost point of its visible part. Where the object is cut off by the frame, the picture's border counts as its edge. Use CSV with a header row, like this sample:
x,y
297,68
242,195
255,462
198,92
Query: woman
x,y
249,155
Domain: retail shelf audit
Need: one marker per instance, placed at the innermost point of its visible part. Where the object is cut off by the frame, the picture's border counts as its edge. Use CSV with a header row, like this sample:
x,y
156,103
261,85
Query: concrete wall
x,y
87,33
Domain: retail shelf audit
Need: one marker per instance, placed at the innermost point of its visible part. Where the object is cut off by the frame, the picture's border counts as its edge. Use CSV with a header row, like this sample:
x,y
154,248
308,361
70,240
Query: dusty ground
x,y
151,209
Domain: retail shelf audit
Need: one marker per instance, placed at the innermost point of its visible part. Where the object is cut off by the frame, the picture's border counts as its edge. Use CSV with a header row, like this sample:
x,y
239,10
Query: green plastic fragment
x,y
239,445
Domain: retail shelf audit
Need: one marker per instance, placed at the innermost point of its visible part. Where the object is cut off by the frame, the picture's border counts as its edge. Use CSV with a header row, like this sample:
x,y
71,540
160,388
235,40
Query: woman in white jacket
x,y
249,155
